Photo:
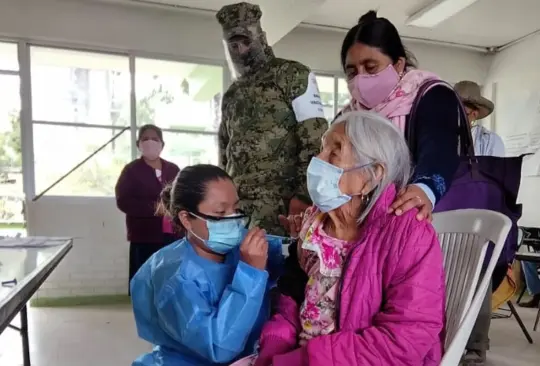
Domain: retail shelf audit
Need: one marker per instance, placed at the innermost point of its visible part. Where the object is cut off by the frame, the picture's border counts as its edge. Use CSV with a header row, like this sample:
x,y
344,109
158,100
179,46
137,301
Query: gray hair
x,y
377,140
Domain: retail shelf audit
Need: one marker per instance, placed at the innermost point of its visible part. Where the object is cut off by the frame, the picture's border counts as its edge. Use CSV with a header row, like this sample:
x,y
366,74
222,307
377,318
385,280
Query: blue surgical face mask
x,y
323,184
224,234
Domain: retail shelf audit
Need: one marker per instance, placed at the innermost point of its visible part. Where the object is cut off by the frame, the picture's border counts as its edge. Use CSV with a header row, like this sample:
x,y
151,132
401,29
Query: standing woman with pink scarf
x,y
382,78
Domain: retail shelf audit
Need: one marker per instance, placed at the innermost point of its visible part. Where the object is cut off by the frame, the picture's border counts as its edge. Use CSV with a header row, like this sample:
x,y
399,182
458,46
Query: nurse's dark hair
x,y
188,190
380,33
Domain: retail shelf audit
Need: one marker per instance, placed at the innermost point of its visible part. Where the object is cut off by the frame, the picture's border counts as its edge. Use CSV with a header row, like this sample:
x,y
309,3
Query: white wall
x,y
321,51
515,71
175,34
98,262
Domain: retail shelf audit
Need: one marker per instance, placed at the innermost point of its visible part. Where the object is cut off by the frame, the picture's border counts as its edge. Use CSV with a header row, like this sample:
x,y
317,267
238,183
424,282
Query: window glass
x,y
9,60
178,95
80,87
326,90
57,149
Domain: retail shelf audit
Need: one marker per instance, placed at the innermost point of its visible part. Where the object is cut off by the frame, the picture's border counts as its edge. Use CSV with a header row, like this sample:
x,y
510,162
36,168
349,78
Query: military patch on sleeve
x,y
309,104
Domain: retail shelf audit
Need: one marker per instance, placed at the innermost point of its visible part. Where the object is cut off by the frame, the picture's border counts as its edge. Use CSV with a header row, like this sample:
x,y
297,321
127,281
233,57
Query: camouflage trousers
x,y
264,213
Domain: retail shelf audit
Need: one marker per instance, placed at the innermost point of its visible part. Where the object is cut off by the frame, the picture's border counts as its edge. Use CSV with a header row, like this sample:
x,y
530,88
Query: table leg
x,y
520,322
537,320
24,336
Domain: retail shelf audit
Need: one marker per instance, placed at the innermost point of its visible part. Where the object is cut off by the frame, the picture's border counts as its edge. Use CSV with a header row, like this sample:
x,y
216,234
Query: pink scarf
x,y
398,104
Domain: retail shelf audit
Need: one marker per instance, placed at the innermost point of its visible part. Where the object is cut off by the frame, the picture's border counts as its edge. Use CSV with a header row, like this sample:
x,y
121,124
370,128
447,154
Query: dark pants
x,y
479,339
140,252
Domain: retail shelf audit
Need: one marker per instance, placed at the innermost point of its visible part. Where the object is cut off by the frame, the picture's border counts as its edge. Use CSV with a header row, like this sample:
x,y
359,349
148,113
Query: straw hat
x,y
469,92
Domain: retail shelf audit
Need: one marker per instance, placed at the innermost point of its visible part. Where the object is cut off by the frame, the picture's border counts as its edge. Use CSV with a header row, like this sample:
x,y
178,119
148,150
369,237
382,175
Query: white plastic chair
x,y
520,237
464,237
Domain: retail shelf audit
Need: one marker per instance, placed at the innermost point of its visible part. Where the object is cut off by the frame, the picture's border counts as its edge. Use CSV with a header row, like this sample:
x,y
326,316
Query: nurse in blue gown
x,y
202,300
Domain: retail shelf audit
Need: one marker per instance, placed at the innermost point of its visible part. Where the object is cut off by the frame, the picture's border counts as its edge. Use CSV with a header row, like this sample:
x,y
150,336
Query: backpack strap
x,y
466,145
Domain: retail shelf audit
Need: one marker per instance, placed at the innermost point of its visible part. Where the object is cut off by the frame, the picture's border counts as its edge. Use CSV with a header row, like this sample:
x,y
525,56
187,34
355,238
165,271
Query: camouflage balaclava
x,y
246,47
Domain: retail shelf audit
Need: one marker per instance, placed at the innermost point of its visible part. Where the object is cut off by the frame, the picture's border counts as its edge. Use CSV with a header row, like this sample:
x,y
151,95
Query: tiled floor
x,y
81,336
89,336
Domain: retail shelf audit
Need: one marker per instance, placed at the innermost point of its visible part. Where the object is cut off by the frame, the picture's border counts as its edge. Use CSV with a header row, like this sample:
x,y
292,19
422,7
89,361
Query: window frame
x,y
336,76
28,122
15,73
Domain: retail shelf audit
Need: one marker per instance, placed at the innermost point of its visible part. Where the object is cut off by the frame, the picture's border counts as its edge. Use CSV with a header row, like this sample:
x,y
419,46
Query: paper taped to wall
x,y
525,143
522,143
531,165
516,145
518,122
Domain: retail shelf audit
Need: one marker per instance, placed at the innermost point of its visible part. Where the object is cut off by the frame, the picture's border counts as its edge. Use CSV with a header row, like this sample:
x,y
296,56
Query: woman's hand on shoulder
x,y
292,223
254,249
411,197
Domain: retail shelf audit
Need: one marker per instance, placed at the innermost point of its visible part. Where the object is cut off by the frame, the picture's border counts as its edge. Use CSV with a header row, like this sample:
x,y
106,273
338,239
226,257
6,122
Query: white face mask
x,y
323,184
150,149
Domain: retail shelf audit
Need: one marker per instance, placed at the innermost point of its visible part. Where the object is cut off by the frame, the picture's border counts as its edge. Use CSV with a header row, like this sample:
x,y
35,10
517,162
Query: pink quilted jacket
x,y
391,309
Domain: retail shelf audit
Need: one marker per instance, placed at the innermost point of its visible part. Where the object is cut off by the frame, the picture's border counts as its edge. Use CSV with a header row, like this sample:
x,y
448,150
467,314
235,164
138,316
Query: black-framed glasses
x,y
238,215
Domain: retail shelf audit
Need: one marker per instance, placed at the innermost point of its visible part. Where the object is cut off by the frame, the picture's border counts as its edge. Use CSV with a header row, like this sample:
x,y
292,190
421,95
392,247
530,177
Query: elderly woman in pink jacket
x,y
363,286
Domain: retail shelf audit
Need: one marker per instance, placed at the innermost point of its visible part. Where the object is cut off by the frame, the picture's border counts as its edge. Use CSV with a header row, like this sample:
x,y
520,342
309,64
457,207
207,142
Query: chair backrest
x,y
520,238
531,239
465,236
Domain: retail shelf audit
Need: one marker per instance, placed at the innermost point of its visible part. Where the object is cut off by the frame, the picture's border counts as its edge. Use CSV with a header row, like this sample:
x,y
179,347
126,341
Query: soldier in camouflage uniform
x,y
272,121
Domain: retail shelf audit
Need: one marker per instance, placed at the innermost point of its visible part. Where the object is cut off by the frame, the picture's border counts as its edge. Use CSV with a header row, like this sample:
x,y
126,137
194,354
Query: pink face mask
x,y
150,149
372,90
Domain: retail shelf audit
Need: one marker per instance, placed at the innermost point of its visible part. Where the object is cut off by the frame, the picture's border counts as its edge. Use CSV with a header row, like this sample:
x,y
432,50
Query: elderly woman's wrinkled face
x,y
338,151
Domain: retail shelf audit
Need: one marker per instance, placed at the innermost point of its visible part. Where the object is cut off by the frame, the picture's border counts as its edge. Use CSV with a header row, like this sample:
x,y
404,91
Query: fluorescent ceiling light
x,y
437,12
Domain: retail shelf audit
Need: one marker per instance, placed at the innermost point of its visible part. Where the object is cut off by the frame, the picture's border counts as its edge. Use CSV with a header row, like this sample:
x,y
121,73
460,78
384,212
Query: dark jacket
x,y
436,156
137,194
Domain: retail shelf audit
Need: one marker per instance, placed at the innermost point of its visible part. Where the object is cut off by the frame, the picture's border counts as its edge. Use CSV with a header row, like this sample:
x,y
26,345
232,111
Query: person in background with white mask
x,y
486,142
137,194
202,301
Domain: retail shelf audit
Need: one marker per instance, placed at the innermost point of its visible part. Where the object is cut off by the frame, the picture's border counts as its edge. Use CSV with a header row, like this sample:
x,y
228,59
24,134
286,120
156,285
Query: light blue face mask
x,y
225,234
323,184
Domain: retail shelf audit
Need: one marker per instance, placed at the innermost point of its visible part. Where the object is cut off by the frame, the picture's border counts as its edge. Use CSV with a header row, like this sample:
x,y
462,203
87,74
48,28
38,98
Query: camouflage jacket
x,y
272,125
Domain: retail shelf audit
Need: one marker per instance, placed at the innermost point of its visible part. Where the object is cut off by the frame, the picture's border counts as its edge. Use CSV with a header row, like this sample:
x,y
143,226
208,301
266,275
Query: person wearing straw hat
x,y
486,143
477,107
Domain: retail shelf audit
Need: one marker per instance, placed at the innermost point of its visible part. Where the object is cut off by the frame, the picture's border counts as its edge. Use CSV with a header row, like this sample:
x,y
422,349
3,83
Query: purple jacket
x,y
137,194
391,304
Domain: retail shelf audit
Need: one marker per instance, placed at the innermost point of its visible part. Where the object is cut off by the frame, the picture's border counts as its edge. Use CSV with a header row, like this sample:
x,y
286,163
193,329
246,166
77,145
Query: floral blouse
x,y
322,258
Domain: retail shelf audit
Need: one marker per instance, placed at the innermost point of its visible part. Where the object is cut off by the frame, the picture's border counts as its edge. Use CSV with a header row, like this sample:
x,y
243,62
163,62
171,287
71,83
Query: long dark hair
x,y
380,33
188,190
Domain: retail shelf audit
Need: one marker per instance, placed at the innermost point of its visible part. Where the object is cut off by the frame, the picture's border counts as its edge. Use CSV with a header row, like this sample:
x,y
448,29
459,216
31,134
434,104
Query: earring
x,y
365,200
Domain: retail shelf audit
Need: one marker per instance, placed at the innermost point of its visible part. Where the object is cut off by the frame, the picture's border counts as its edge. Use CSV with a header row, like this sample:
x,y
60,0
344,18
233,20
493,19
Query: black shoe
x,y
533,303
473,358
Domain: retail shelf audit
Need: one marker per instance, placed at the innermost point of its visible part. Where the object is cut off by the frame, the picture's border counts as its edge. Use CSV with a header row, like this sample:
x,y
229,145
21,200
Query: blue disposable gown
x,y
198,312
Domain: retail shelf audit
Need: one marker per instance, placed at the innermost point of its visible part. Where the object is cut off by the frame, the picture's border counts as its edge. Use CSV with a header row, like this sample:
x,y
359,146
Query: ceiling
x,y
486,23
